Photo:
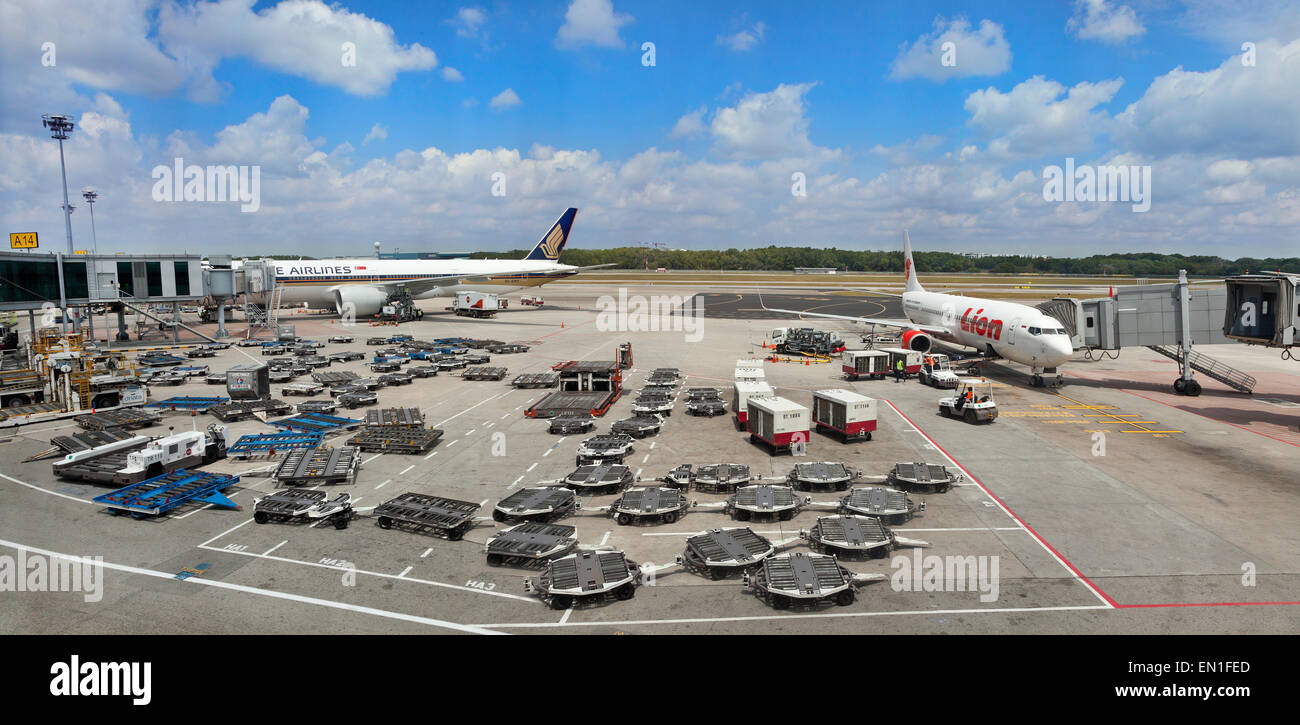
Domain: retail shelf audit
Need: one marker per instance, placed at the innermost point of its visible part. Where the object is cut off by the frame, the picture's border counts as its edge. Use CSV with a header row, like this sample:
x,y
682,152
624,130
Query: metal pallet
x,y
396,440
306,466
802,576
241,409
821,473
895,507
419,512
720,477
587,574
924,476
484,373
530,541
269,444
316,423
536,380
763,500
852,534
720,551
111,419
394,418
547,502
666,503
598,477
192,403
161,494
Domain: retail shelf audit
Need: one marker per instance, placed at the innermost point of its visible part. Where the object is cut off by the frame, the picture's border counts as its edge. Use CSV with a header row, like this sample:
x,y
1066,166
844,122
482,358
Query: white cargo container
x,y
849,414
744,391
911,359
780,423
750,374
751,363
858,364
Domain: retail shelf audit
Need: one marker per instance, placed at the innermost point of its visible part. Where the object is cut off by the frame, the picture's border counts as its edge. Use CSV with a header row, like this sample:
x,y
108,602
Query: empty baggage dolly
x,y
719,552
161,494
637,504
584,576
922,477
597,478
544,503
706,406
764,500
567,424
396,440
721,477
821,474
303,505
854,535
638,426
679,477
433,514
318,466
609,448
530,542
890,506
395,417
802,577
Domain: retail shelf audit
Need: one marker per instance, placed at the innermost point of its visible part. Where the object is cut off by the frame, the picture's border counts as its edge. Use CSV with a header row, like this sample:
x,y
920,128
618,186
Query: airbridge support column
x,y
1185,318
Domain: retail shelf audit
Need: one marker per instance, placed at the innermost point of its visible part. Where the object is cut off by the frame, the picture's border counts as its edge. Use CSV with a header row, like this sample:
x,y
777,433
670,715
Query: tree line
x,y
785,259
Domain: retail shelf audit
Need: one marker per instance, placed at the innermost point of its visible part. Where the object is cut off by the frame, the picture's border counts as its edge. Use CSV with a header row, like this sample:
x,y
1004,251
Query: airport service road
x,y
1083,542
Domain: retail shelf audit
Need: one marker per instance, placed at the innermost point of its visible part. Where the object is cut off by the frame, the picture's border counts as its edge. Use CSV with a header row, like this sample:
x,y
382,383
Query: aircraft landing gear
x,y
1036,380
1187,387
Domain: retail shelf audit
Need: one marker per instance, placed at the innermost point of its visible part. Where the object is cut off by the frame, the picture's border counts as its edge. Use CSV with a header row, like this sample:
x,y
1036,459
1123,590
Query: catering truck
x,y
858,364
845,413
744,391
780,423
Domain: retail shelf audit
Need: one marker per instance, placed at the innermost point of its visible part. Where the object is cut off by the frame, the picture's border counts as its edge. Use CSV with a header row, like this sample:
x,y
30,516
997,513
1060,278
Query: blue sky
x,y
697,151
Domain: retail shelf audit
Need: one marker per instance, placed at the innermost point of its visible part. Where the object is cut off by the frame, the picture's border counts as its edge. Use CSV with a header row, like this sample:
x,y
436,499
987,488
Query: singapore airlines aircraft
x,y
361,286
1012,331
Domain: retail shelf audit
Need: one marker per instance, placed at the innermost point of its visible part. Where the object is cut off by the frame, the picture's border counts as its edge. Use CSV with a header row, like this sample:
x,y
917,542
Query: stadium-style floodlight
x,y
91,195
60,126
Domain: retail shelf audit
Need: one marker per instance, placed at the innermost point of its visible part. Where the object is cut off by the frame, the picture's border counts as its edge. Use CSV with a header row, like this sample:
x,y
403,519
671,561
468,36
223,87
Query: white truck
x,y
181,450
476,304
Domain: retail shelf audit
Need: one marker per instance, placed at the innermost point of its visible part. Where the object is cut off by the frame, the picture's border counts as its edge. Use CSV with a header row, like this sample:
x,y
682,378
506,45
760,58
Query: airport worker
x,y
898,370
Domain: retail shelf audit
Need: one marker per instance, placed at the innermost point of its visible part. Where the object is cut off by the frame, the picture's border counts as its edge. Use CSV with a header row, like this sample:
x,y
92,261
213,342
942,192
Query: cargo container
x,y
751,363
858,364
846,413
781,424
476,304
911,359
750,374
248,382
744,391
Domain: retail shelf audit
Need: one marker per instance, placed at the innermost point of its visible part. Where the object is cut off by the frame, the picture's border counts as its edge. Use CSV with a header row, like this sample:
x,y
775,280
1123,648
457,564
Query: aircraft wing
x,y
420,286
901,324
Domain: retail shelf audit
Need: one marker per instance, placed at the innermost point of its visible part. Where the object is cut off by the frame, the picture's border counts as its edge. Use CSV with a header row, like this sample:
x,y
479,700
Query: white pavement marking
x,y
200,581
431,455
1077,577
489,424
405,571
371,458
404,470
227,531
548,452
471,432
516,483
764,618
645,458
652,445
605,538
506,415
449,445
426,552
385,483
976,528
273,548
463,412
565,618
638,472
530,468
46,490
484,502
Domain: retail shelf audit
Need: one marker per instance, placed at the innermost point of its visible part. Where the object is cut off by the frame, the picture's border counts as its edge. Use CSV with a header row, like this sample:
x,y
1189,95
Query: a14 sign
x,y
23,240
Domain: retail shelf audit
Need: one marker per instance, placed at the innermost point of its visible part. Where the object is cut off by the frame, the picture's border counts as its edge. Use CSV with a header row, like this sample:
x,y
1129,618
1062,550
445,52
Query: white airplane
x,y
361,286
1015,332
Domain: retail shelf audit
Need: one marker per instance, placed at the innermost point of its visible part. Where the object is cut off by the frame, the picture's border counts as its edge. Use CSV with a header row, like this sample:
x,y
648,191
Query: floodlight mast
x,y
91,196
59,126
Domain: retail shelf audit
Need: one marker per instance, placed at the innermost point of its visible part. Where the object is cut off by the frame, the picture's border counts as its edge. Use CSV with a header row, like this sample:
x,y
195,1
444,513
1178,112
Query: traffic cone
x,y
561,325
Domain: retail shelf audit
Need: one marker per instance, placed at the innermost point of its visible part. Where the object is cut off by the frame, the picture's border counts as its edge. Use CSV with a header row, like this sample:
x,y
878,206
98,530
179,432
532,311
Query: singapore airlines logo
x,y
551,247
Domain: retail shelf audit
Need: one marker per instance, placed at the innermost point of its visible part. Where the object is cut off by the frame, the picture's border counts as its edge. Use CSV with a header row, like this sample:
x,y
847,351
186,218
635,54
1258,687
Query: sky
x,y
461,127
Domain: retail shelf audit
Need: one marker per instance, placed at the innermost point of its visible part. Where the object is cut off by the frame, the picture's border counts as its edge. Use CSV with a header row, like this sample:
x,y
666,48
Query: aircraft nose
x,y
1059,349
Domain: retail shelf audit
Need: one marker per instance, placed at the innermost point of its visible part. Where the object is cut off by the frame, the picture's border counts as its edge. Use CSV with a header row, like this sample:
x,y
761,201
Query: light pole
x,y
91,196
59,126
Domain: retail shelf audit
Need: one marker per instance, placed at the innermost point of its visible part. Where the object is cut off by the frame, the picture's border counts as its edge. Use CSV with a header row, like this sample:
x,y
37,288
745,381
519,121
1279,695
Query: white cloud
x,y
765,125
299,37
469,102
691,124
468,21
505,99
975,52
745,39
591,22
1247,111
1101,20
1232,22
1033,119
451,75
377,133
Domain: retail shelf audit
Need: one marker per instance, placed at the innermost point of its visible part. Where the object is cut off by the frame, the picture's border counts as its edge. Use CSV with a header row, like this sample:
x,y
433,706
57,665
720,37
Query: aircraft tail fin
x,y
548,248
909,269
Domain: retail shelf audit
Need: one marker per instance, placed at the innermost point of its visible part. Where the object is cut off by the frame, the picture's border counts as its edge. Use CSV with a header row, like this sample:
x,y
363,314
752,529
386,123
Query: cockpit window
x,y
1035,331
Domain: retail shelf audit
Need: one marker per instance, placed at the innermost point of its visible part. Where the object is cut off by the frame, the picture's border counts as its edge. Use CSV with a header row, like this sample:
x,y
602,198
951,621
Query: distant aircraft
x,y
1016,332
361,286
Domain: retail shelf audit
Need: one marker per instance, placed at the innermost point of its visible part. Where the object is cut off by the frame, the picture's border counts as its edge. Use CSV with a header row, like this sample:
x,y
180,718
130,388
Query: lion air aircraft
x,y
1012,331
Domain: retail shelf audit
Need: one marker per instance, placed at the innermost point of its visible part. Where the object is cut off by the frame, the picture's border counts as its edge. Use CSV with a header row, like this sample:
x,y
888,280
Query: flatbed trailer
x,y
318,466
543,503
607,448
803,578
530,542
427,514
189,403
851,536
83,441
507,349
889,505
653,405
397,378
163,494
270,444
115,419
706,406
720,477
422,371
571,424
599,478
586,575
821,475
394,418
98,464
565,402
317,406
396,440
638,426
923,477
333,379
720,552
302,505
316,423
302,389
763,500
484,373
660,503
346,356
679,477
241,409
358,399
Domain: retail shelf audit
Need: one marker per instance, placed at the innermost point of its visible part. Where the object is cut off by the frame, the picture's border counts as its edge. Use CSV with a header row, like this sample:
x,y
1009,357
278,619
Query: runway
x,y
747,306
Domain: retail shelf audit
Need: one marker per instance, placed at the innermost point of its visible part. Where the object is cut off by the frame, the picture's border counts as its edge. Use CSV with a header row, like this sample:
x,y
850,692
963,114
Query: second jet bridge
x,y
1167,318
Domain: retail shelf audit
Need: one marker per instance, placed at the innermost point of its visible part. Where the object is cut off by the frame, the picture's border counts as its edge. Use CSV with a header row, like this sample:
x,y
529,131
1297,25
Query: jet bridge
x,y
1263,308
1166,318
